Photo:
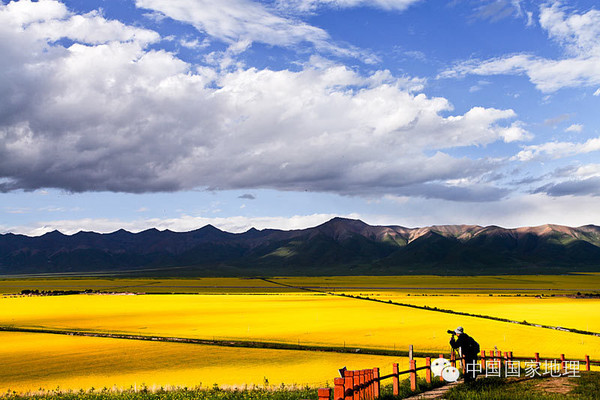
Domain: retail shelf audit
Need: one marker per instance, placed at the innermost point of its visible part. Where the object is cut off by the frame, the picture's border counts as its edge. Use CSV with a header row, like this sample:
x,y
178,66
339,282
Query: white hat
x,y
459,330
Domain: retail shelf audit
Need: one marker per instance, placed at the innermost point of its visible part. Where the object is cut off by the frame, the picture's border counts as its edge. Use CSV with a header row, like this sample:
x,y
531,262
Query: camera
x,y
451,332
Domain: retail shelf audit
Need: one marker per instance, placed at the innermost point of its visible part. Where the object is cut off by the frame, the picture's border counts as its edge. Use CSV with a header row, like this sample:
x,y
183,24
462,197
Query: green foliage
x,y
215,393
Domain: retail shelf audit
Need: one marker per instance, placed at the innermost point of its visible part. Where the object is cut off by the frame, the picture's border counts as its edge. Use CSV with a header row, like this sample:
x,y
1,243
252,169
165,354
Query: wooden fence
x,y
365,384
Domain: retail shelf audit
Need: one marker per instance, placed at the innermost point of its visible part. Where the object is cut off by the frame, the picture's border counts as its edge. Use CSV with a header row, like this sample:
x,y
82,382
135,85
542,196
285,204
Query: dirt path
x,y
436,393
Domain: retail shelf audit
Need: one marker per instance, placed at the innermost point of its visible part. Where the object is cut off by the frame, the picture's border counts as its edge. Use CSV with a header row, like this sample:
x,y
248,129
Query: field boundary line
x,y
441,310
215,342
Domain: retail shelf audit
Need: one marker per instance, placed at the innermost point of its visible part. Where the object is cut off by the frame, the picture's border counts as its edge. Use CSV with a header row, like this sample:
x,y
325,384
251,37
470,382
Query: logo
x,y
442,367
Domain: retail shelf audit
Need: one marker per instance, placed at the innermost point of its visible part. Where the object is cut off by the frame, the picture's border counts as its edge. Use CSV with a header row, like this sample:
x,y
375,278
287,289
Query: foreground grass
x,y
422,386
585,387
216,393
254,393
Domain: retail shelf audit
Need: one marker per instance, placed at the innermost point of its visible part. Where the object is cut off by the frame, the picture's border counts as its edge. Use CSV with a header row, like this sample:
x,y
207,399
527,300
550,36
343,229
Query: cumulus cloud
x,y
555,150
108,112
577,33
247,196
574,128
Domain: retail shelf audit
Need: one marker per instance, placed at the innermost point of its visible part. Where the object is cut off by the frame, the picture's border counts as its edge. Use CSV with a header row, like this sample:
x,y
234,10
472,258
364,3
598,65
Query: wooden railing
x,y
497,355
366,384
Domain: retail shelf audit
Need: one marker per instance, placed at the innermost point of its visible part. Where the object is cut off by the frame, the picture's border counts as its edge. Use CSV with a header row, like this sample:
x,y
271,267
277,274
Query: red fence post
x,y
441,378
376,386
562,363
356,385
587,363
338,389
361,382
368,384
348,385
324,394
483,366
413,375
428,370
371,384
395,379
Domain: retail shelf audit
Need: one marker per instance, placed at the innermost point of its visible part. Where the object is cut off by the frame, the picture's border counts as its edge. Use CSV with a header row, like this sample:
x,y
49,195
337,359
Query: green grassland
x,y
533,284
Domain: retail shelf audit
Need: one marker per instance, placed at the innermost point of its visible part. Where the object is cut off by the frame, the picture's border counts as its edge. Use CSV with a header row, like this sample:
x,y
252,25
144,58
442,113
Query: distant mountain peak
x,y
338,246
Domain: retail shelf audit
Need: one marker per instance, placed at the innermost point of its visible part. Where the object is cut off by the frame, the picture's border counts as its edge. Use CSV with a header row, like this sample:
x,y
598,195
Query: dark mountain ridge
x,y
338,247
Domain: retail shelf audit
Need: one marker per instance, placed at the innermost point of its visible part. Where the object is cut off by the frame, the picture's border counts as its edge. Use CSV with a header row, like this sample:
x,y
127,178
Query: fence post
x,y
324,394
483,366
366,385
348,385
395,379
362,384
376,390
356,385
413,375
562,363
371,384
428,370
338,389
537,360
587,362
441,378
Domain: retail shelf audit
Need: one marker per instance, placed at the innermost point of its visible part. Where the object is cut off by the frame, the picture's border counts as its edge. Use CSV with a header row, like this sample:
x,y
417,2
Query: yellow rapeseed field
x,y
308,319
574,313
254,310
30,361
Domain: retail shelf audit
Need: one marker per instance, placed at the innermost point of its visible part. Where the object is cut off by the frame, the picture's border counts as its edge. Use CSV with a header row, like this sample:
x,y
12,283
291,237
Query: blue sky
x,y
285,113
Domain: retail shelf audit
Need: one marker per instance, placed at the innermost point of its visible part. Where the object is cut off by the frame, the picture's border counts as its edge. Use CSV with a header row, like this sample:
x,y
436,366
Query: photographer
x,y
469,349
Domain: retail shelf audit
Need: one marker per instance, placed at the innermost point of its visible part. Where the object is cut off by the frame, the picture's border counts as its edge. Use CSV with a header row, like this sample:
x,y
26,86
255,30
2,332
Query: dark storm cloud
x,y
590,186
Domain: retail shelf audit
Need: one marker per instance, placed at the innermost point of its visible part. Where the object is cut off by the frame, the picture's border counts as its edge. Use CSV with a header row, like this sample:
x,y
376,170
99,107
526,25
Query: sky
x,y
174,114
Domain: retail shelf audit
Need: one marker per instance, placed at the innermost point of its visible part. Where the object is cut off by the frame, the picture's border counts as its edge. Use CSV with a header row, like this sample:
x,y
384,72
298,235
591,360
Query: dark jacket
x,y
464,341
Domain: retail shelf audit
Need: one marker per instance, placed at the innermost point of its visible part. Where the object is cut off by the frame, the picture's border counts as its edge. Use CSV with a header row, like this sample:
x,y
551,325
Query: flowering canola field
x,y
566,312
306,319
32,360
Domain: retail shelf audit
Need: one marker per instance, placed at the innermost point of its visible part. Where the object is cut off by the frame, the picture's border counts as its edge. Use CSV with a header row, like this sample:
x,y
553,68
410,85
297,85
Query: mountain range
x,y
338,247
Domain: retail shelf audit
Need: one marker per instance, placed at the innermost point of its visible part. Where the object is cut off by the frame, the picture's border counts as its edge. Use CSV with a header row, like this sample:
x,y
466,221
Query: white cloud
x,y
574,128
310,5
555,150
246,21
579,34
118,116
586,171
